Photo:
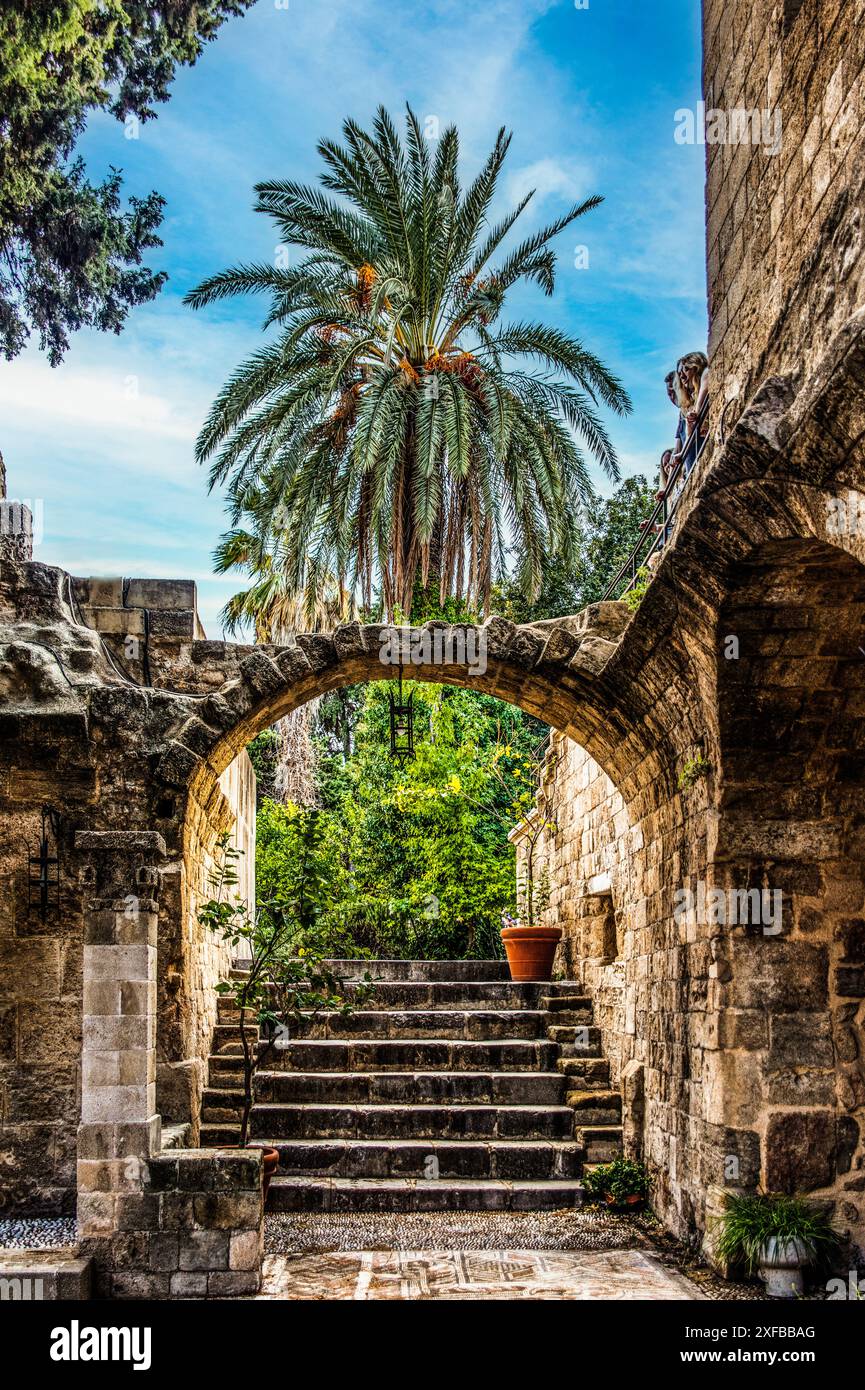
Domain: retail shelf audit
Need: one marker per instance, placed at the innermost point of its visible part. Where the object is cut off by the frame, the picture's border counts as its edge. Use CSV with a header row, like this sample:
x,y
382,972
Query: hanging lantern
x,y
401,725
43,887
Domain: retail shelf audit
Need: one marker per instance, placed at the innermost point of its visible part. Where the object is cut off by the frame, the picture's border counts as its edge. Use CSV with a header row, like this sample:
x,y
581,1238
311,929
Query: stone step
x,y
412,1121
350,969
600,1143
422,969
224,1070
583,1041
596,1107
215,1136
446,995
587,1073
564,999
226,1038
479,1025
569,1019
450,1088
221,1105
466,1024
414,1054
414,1194
409,1088
410,1158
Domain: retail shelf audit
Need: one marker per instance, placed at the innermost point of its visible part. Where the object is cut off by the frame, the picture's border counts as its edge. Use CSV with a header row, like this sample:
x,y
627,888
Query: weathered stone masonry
x,y
699,1021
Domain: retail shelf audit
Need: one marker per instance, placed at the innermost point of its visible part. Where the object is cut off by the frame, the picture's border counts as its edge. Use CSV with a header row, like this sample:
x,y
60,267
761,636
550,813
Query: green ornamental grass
x,y
750,1220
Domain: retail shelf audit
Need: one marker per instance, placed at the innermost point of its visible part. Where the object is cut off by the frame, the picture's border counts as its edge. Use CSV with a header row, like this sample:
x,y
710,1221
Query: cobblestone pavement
x,y
302,1233
473,1274
37,1233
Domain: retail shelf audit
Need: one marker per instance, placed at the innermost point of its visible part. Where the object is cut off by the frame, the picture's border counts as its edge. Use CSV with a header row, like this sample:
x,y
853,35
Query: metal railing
x,y
656,530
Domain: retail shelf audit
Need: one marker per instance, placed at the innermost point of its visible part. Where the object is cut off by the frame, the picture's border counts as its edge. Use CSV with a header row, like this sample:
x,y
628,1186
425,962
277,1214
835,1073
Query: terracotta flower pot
x,y
629,1203
269,1164
530,951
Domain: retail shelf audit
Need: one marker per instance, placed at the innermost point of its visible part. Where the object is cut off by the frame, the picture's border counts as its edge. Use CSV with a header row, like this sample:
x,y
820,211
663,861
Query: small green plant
x,y
634,596
694,770
750,1220
622,1183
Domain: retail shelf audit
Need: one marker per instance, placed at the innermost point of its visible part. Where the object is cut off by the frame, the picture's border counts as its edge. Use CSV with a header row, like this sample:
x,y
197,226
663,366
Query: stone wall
x,y
52,753
784,230
746,1027
615,865
193,959
192,1229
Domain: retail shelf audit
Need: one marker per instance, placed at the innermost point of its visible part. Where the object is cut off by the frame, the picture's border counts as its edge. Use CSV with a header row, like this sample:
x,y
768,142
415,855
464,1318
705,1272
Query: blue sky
x,y
106,440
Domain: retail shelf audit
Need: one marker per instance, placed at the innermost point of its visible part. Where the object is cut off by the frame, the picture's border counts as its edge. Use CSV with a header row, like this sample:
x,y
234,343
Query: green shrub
x,y
617,1181
634,596
693,771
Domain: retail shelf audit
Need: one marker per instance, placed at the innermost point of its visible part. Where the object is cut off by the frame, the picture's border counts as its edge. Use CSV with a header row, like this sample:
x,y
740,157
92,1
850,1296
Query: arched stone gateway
x,y
743,1047
738,1041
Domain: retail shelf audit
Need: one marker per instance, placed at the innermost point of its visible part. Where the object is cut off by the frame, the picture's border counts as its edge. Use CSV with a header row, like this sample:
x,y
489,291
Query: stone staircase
x,y
452,1088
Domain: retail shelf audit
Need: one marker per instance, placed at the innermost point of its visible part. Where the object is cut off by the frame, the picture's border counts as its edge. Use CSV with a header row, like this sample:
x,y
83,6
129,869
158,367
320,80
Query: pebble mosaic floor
x,y
473,1274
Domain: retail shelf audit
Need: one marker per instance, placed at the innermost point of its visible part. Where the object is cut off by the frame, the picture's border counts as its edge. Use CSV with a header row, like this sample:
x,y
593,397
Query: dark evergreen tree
x,y
71,256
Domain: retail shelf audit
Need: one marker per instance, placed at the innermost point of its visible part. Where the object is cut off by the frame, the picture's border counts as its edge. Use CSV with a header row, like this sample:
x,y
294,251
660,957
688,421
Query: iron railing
x,y
657,529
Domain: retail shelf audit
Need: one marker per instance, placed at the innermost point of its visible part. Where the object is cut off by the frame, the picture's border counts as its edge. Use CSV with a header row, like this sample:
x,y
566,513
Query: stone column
x,y
120,1129
187,1224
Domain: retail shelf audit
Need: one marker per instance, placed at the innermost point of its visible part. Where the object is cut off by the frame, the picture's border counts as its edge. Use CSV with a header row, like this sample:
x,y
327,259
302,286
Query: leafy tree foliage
x,y
396,429
70,255
419,860
264,755
612,529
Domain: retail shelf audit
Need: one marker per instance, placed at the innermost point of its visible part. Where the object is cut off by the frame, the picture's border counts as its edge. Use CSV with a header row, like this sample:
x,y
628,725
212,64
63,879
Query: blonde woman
x,y
692,372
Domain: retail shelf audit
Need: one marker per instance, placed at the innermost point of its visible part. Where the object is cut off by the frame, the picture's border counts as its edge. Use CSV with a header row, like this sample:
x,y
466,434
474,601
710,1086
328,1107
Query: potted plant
x,y
622,1184
530,944
287,979
775,1236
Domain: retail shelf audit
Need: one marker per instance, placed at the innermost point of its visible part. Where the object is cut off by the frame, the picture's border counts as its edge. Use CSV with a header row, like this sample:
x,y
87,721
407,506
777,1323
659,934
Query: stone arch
x,y
551,670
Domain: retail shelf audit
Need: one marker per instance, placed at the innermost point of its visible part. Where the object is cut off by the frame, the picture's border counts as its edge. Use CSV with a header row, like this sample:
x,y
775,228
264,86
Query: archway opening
x,y
791,834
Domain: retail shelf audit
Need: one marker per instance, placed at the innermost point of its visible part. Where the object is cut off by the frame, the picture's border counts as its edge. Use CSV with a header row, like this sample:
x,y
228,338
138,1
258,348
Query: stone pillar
x,y
120,1129
184,1224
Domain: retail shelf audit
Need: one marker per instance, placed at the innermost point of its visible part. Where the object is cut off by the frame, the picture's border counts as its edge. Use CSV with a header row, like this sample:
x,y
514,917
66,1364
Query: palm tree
x,y
394,431
276,611
275,606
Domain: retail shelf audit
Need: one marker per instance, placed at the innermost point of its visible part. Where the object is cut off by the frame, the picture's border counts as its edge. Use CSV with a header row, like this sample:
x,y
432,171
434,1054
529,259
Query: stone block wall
x,y
177,1224
194,960
615,867
148,625
50,751
738,1045
590,849
193,1229
40,967
784,230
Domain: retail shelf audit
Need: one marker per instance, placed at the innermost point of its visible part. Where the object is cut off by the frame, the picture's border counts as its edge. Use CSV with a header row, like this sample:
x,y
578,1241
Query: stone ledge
x,y
46,1276
150,841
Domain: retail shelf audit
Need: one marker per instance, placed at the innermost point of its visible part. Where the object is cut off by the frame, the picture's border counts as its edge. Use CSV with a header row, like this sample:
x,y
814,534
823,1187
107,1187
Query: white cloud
x,y
98,399
547,176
